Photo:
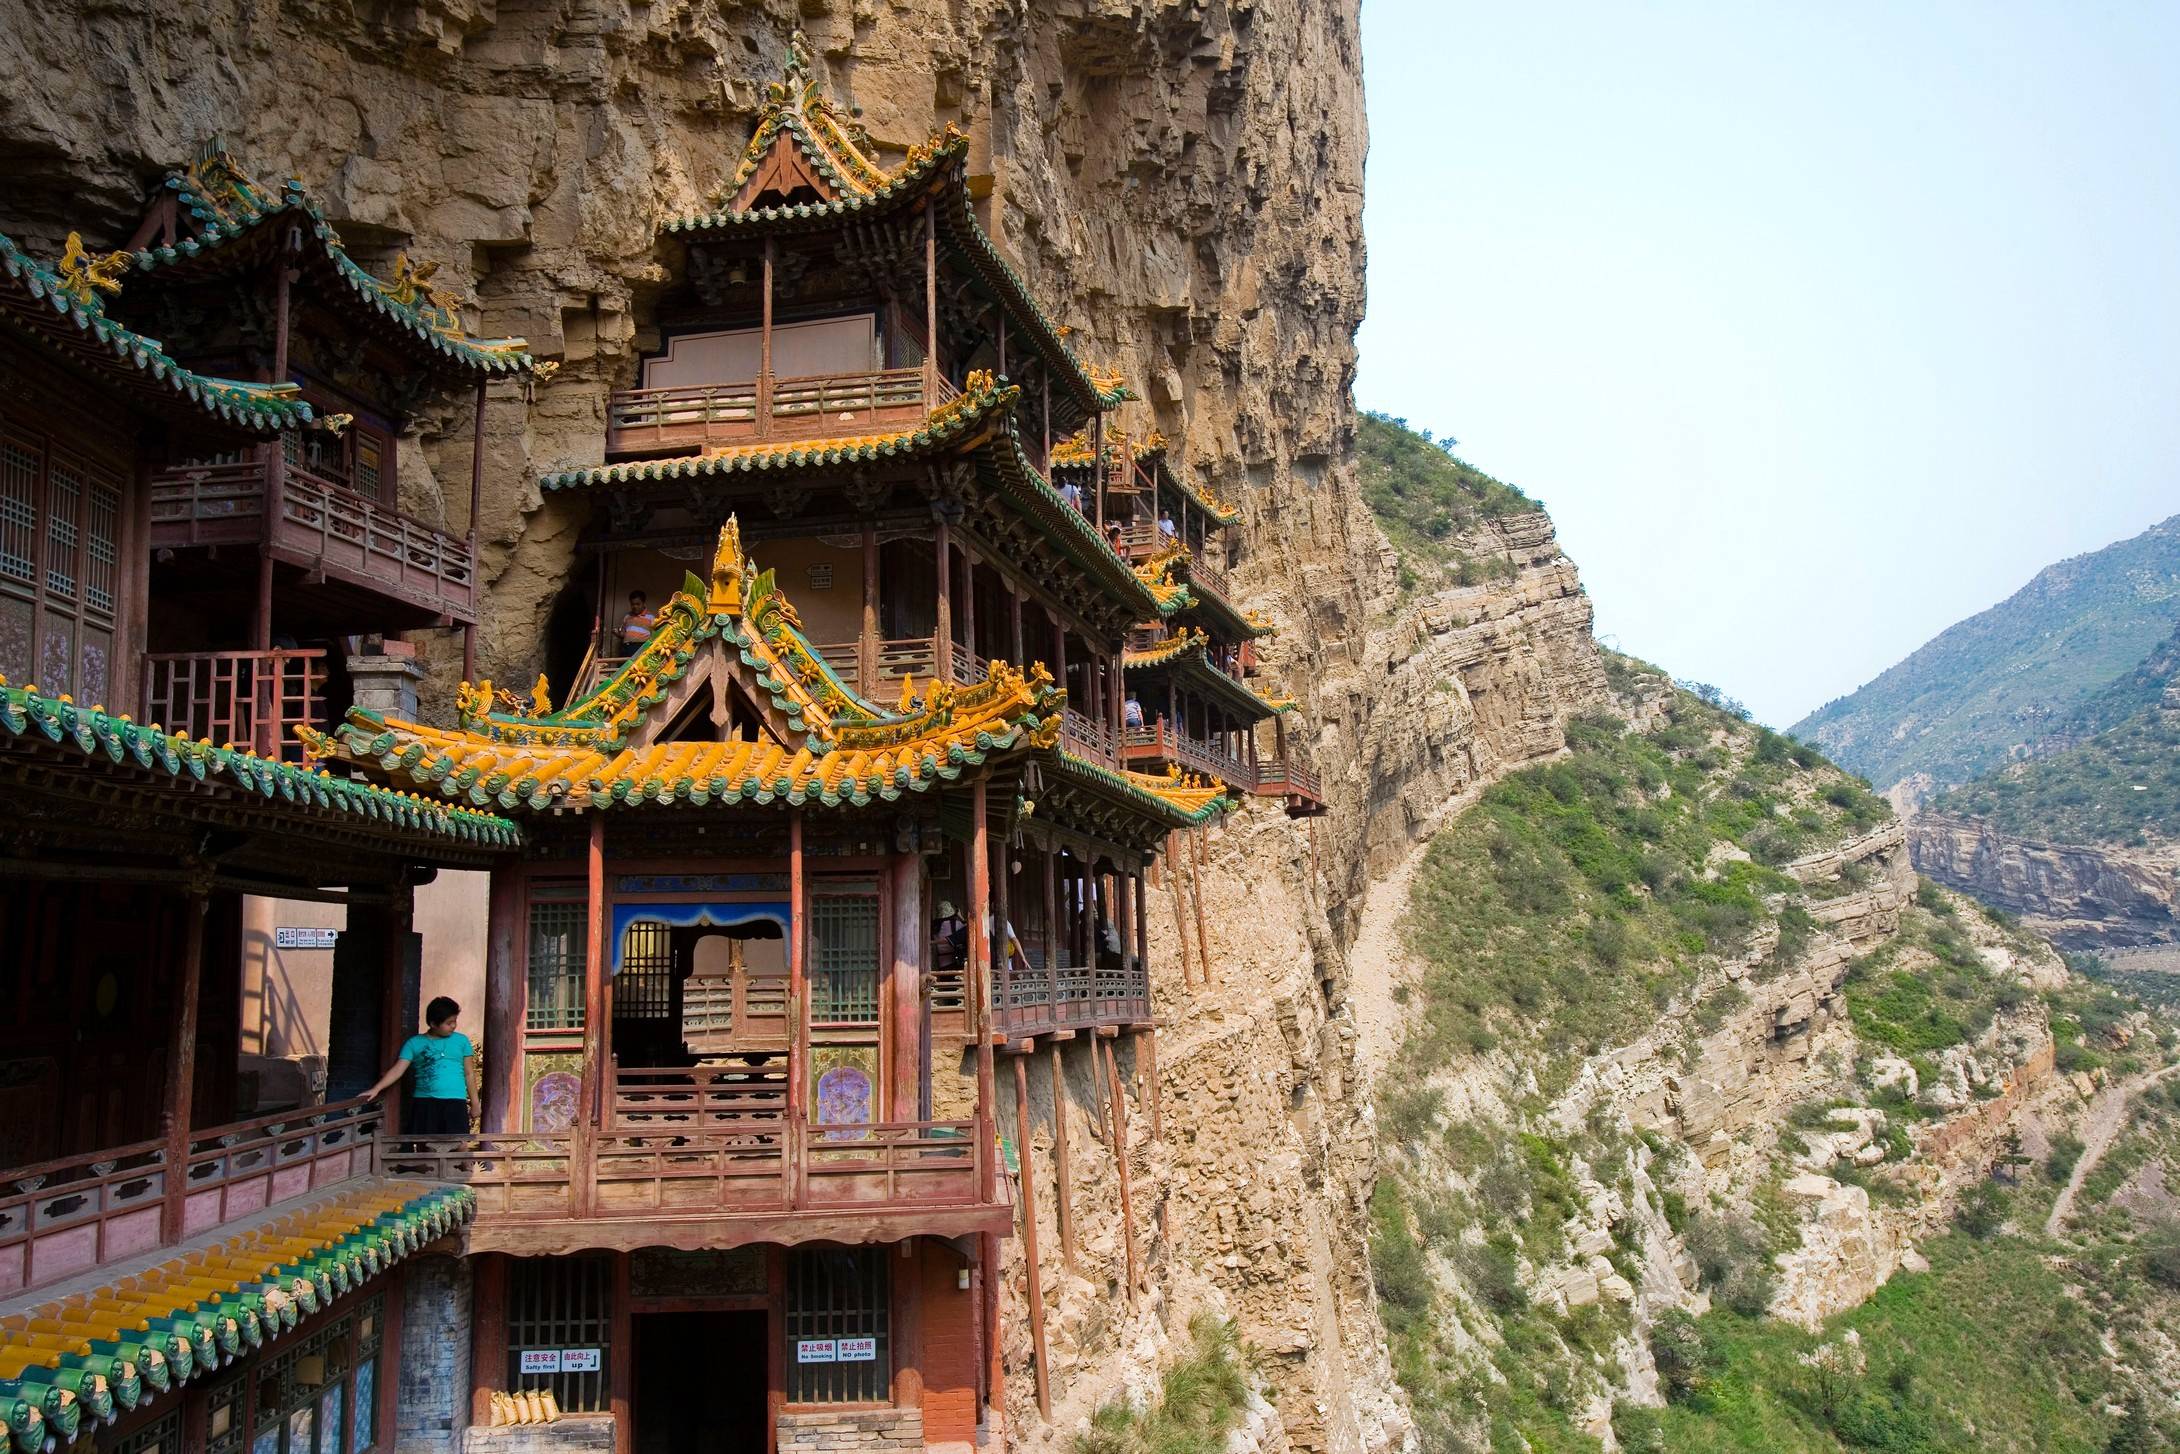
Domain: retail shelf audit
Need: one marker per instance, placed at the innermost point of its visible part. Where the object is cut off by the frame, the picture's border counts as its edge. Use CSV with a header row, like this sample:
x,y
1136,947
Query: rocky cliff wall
x,y
2081,896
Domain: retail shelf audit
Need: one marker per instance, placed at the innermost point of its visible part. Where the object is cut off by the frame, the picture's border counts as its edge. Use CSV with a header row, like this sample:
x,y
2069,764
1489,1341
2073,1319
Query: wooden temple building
x,y
841,810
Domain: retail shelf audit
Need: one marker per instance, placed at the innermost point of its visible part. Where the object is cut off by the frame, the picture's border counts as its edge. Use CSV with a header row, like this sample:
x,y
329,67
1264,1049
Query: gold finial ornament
x,y
726,582
541,697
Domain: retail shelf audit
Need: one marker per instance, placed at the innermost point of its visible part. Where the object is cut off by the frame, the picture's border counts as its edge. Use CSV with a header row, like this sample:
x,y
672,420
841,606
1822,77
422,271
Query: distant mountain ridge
x,y
2068,655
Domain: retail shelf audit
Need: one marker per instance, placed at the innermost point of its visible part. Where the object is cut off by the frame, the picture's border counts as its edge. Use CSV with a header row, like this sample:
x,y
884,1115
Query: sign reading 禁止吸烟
x,y
303,936
541,1360
858,1350
579,1360
817,1350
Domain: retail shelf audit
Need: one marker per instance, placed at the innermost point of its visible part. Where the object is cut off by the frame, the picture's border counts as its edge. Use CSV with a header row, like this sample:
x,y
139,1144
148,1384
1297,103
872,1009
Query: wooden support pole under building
x,y
1063,1173
1119,1124
1029,1235
182,1065
1203,949
1180,914
506,988
1147,1069
1097,1083
798,1004
487,1335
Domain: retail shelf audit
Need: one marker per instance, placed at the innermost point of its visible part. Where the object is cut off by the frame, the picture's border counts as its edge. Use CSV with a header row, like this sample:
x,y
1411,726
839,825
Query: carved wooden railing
x,y
1287,778
72,1215
651,420
711,1097
254,699
1160,742
1085,736
321,522
765,1168
1038,1000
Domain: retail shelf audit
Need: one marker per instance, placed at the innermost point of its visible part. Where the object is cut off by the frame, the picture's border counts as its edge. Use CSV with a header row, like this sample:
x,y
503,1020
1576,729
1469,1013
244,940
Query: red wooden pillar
x,y
930,306
968,611
594,1015
981,933
476,503
182,1064
275,478
1097,469
1052,931
1002,936
942,645
622,1375
764,352
393,1013
798,1006
866,651
506,995
487,1334
909,937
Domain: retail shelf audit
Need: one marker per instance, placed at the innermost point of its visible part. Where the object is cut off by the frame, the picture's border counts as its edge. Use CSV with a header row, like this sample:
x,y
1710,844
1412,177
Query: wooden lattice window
x,y
643,987
555,1304
302,1396
160,1436
60,524
559,948
844,958
839,1302
224,1431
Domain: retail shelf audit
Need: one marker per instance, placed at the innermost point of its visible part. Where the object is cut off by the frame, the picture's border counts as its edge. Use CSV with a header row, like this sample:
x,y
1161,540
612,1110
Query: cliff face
x,y
2082,896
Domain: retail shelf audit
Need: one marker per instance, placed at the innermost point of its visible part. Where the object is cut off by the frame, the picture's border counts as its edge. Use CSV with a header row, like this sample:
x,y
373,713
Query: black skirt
x,y
438,1117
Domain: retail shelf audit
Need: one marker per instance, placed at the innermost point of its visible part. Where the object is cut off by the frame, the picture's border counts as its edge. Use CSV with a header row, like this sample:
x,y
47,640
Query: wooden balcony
x,y
1294,782
255,699
330,532
1042,1001
676,421
63,1218
768,1178
1087,737
1161,743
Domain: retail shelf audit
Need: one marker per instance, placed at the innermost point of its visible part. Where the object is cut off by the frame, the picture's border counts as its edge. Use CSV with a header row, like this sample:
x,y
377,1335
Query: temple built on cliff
x,y
891,676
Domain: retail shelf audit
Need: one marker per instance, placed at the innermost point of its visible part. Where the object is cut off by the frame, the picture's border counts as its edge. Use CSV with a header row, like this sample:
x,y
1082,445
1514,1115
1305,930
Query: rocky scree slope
x,y
1680,1054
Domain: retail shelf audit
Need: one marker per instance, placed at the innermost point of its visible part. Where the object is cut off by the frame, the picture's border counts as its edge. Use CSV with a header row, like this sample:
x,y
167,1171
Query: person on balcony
x,y
1131,712
1115,538
445,1102
949,938
637,625
1111,953
1072,493
1166,532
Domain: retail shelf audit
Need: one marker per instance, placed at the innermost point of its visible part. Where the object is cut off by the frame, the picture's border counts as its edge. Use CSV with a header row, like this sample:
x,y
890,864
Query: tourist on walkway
x,y
443,1103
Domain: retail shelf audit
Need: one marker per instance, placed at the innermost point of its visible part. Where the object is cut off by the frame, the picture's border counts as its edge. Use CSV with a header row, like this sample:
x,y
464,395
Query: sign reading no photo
x,y
858,1350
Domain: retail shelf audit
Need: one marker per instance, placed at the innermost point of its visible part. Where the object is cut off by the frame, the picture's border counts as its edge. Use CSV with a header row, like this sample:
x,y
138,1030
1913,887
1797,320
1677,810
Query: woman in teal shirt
x,y
443,1104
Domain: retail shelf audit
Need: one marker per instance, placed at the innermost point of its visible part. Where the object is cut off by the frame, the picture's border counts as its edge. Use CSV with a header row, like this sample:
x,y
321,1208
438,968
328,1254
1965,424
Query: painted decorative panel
x,y
553,1086
844,1083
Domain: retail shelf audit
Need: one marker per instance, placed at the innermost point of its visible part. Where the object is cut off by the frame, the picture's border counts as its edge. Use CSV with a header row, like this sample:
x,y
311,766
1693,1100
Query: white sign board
x,y
858,1350
541,1360
579,1360
293,936
817,1350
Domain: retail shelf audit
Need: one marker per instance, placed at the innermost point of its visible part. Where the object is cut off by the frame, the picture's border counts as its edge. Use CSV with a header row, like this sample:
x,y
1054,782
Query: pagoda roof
x,y
28,715
157,1324
62,310
839,165
958,423
1227,620
981,421
825,743
231,220
1153,448
1186,656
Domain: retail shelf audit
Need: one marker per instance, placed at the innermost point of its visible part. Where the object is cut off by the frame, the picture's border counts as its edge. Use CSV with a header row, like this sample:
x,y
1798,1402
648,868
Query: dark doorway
x,y
700,1383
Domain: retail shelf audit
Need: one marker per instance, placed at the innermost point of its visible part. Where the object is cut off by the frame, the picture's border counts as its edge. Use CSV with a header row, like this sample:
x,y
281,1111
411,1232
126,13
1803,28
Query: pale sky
x,y
1817,327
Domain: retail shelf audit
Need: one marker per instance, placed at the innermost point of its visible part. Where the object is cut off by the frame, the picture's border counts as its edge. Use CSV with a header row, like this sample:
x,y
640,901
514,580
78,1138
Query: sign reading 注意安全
x,y
302,936
817,1350
858,1350
541,1360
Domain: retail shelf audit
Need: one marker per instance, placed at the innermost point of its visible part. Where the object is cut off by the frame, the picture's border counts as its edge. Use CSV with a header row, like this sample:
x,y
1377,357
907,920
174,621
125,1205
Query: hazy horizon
x,y
1817,331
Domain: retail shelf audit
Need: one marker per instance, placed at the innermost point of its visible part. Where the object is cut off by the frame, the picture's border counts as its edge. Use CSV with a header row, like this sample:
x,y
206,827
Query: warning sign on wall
x,y
295,936
541,1360
858,1350
817,1350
